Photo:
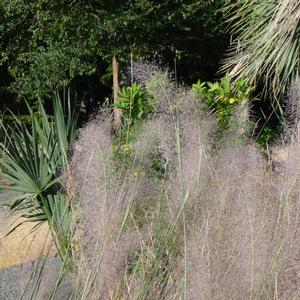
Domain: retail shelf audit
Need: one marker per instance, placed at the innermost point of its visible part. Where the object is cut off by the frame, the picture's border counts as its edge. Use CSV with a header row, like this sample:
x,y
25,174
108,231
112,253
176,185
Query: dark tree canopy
x,y
45,44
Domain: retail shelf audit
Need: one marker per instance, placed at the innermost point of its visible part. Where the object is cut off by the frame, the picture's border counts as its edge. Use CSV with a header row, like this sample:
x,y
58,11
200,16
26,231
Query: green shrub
x,y
133,103
266,137
223,97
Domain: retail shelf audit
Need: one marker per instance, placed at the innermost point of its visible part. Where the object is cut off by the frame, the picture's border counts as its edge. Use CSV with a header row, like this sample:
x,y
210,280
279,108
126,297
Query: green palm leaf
x,y
267,42
32,157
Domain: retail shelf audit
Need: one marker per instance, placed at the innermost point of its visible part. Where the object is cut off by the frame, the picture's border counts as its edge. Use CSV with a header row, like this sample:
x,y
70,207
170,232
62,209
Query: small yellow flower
x,y
231,100
138,173
75,246
127,148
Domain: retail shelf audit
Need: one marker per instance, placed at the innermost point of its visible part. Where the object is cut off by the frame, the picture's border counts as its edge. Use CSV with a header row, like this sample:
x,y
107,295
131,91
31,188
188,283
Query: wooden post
x,y
117,112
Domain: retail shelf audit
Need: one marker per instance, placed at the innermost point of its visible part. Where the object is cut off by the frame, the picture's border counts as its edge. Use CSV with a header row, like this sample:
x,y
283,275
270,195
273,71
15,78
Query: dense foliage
x,y
133,102
223,97
45,44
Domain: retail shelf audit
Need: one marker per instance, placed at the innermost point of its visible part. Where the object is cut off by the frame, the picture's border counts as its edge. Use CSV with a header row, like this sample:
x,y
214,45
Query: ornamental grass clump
x,y
177,217
107,189
229,236
130,210
244,242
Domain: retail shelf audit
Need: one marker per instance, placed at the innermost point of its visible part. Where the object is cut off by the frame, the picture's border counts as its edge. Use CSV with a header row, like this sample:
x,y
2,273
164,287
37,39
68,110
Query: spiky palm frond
x,y
267,43
32,158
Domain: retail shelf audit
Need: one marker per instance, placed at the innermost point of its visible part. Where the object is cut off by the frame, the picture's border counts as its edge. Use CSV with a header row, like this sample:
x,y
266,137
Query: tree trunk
x,y
117,112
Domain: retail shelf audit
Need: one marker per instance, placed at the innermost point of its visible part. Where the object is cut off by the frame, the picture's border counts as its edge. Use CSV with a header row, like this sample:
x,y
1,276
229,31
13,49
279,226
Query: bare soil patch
x,y
22,245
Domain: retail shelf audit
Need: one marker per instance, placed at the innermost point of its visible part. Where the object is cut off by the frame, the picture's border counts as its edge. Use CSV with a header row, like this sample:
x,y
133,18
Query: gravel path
x,y
13,281
6,196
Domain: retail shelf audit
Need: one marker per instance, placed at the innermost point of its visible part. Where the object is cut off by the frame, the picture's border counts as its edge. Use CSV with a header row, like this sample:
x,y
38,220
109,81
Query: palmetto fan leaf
x,y
267,44
32,157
